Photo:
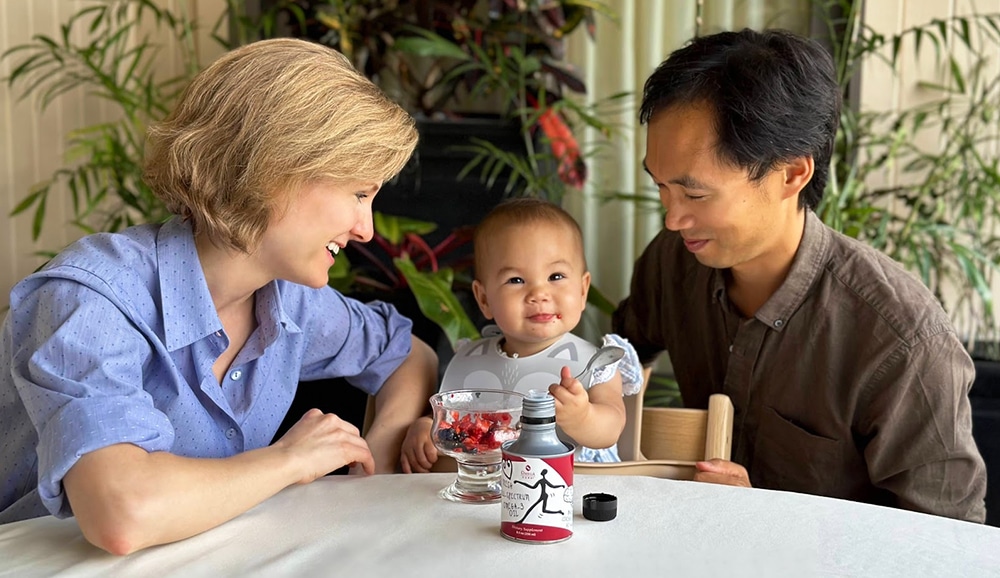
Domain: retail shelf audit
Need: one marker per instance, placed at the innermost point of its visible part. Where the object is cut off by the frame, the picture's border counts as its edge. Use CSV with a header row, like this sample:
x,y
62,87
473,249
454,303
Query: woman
x,y
149,369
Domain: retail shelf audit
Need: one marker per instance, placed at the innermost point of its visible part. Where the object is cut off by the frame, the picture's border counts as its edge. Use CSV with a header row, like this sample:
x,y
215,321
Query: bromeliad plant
x,y
398,258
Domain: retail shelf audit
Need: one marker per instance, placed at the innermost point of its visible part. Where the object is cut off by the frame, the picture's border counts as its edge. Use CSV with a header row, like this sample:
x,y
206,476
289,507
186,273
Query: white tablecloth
x,y
398,526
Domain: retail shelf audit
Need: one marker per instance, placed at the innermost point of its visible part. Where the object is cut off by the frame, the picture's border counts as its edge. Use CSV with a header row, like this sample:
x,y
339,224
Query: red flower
x,y
572,169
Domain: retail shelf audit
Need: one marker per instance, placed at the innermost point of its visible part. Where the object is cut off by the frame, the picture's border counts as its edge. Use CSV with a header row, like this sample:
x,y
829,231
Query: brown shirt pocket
x,y
789,457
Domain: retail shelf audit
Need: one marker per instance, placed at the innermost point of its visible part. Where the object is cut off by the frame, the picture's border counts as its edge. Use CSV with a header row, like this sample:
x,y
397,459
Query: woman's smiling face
x,y
302,241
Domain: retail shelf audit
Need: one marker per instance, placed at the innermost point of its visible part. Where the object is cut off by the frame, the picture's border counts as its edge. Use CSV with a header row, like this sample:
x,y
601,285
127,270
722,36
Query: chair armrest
x,y
668,469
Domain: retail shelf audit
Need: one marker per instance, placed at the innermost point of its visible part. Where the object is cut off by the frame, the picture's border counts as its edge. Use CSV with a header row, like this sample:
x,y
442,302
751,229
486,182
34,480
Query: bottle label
x,y
536,498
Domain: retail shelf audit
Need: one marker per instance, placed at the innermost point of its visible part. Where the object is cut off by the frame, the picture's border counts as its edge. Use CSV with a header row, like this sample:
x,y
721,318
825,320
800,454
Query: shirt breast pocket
x,y
789,457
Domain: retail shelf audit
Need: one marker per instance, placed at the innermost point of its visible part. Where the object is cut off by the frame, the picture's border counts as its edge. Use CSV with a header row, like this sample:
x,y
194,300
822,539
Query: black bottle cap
x,y
600,507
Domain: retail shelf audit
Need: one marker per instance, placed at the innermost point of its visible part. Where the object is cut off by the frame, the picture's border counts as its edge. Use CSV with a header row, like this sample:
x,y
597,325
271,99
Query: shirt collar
x,y
805,269
188,310
271,308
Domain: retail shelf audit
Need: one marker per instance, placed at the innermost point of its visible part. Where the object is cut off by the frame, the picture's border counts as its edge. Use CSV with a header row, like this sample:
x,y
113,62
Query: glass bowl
x,y
470,426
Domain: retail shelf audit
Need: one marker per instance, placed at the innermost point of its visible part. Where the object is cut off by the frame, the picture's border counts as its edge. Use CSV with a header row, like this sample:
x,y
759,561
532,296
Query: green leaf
x,y
26,202
341,277
956,74
430,44
436,300
394,228
662,391
599,300
36,225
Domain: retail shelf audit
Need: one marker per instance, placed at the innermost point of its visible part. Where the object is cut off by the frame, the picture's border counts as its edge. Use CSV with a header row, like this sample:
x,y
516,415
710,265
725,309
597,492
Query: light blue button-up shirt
x,y
114,341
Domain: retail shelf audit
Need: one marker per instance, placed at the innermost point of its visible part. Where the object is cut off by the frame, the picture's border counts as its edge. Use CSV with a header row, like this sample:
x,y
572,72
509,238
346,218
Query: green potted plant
x,y
104,170
940,218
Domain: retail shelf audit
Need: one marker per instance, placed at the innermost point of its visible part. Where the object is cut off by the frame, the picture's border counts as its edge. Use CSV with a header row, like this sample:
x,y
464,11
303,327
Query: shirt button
x,y
730,349
236,375
778,323
218,334
230,433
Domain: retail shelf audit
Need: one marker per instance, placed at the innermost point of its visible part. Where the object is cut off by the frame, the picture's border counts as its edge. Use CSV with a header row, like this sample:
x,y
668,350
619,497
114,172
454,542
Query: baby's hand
x,y
572,401
418,453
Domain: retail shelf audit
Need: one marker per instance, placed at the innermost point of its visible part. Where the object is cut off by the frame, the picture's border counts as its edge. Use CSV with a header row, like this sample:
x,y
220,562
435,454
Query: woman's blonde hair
x,y
263,120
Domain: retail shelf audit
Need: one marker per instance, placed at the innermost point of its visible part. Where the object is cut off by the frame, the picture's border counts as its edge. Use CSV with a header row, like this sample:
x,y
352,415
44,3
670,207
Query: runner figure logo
x,y
542,485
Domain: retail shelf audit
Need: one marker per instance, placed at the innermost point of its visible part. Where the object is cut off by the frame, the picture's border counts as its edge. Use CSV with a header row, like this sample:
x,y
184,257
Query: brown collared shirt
x,y
849,381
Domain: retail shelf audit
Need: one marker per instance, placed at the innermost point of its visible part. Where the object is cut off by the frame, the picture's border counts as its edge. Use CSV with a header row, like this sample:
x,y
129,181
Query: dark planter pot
x,y
428,189
984,398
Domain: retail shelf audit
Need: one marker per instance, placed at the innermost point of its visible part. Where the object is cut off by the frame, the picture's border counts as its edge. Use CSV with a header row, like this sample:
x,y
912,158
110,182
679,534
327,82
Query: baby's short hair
x,y
520,212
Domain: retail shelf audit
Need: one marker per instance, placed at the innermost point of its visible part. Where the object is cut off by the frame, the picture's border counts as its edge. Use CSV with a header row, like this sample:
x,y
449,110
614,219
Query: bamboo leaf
x,y
36,224
956,74
31,199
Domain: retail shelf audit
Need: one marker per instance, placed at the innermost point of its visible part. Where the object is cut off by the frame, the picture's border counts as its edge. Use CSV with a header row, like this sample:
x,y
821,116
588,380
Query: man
x,y
847,377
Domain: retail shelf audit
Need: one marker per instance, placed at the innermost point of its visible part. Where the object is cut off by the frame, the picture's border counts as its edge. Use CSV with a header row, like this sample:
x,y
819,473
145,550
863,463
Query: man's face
x,y
726,220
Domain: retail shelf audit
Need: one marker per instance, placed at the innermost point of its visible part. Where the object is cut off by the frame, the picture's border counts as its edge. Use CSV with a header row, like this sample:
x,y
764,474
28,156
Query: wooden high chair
x,y
666,442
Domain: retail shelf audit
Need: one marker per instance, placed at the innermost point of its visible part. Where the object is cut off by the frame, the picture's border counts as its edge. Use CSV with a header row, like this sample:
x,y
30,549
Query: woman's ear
x,y
480,294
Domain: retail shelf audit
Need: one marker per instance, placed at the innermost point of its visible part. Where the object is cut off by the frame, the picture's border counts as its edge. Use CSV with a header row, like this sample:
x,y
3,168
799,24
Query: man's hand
x,y
716,471
322,442
572,401
418,452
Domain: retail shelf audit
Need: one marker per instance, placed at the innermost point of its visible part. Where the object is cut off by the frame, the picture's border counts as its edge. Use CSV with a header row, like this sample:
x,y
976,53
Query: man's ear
x,y
479,292
797,174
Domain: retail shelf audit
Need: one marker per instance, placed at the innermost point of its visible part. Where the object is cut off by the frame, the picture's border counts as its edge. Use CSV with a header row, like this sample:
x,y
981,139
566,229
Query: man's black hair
x,y
774,94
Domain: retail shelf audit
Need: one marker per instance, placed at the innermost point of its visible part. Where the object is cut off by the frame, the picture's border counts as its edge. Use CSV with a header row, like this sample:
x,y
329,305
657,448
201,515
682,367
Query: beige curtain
x,y
623,56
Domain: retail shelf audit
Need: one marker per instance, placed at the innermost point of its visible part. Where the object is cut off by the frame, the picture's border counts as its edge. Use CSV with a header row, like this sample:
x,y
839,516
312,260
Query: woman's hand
x,y
322,442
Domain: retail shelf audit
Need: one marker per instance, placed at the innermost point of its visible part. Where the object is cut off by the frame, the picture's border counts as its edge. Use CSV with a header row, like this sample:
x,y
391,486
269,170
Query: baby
x,y
531,279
